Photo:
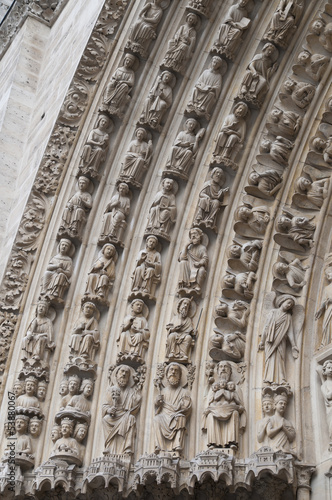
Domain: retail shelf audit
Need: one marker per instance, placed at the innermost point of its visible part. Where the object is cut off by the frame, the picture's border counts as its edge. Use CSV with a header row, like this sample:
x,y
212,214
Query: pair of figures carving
x,y
207,89
273,429
27,430
95,149
40,388
137,159
184,150
56,279
76,395
283,324
75,214
225,416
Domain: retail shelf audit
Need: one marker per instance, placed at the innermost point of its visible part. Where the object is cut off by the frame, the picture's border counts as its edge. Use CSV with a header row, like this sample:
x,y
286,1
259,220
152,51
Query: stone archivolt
x,y
177,200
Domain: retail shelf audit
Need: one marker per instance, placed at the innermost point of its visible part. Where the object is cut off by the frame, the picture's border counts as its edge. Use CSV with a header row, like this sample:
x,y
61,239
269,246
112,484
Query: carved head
x,y
289,85
168,185
191,124
268,405
56,433
35,427
304,57
253,178
231,385
63,390
224,370
21,424
43,306
303,184
174,374
317,26
67,427
216,62
89,309
328,273
151,242
285,302
140,133
74,384
269,51
240,109
327,368
183,307
41,390
167,77
218,176
83,183
31,386
123,376
65,246
195,235
103,122
137,306
281,268
129,61
108,250
192,19
87,387
81,431
280,401
123,189
18,388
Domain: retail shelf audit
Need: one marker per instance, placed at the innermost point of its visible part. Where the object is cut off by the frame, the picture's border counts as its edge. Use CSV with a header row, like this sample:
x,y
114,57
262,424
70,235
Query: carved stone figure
x,y
184,150
63,389
41,390
158,101
173,407
280,432
55,433
181,332
74,383
225,416
56,279
35,427
137,159
268,410
314,64
38,342
23,445
144,30
326,309
294,232
325,374
18,388
81,401
116,96
162,213
80,432
85,338
207,89
239,285
102,273
251,222
75,213
193,263
181,46
245,257
263,182
324,33
284,122
211,199
227,345
120,410
133,339
279,149
94,151
255,83
147,272
302,93
114,220
312,189
284,22
283,323
231,136
237,313
28,403
232,28
66,447
289,274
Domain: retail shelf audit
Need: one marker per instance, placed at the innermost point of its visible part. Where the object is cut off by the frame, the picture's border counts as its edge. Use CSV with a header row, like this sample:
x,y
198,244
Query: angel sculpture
x,y
284,122
289,274
324,33
244,257
312,189
314,65
326,308
237,314
279,149
251,222
263,182
294,232
283,323
239,285
301,93
227,345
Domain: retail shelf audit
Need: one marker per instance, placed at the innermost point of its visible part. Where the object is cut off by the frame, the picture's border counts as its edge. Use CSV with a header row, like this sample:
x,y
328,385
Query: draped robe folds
x,y
180,47
170,420
189,274
159,100
100,276
302,233
113,221
182,156
41,330
85,337
327,323
135,160
120,428
232,132
278,327
179,338
316,194
228,33
94,150
74,213
281,441
25,401
116,95
206,90
279,27
257,76
163,212
145,28
134,335
209,202
147,271
55,282
268,181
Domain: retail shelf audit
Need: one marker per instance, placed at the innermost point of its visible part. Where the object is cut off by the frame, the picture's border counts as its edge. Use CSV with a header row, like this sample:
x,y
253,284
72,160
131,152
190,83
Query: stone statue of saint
x,y
74,215
326,309
173,407
94,151
119,412
56,279
283,323
102,273
211,199
325,374
184,150
144,30
225,416
231,136
181,46
181,332
162,213
284,22
85,338
193,263
28,401
116,96
114,220
137,159
207,88
147,272
133,339
234,24
158,101
255,83
38,341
